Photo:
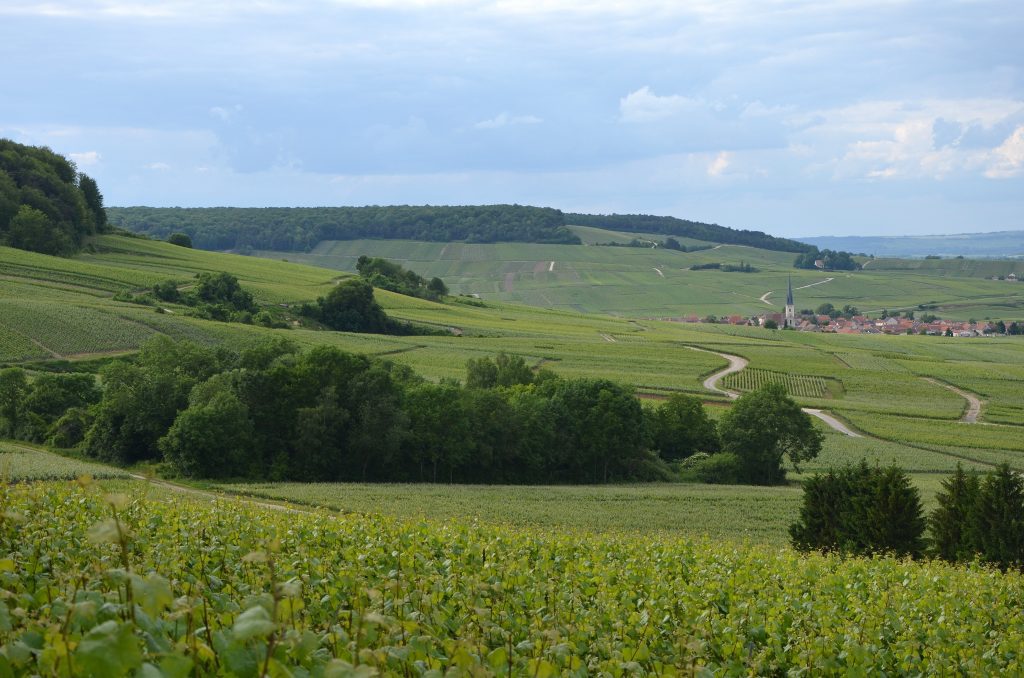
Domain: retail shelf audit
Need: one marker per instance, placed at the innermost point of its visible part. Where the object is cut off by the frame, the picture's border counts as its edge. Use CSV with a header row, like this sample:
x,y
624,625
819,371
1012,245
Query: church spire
x,y
790,307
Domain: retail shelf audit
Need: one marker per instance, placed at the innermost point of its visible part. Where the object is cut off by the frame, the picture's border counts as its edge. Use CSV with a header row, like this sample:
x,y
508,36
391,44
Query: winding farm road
x,y
764,298
820,282
737,363
973,401
832,421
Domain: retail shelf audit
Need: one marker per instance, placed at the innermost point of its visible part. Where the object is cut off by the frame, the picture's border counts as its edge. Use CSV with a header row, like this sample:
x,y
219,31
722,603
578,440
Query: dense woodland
x,y
46,205
643,223
299,229
274,413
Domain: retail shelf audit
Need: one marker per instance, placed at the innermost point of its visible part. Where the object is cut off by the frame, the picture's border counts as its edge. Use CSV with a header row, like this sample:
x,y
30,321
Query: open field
x,y
644,282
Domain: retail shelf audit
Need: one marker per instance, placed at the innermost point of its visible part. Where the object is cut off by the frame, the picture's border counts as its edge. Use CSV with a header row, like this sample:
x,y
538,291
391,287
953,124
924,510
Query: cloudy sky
x,y
799,118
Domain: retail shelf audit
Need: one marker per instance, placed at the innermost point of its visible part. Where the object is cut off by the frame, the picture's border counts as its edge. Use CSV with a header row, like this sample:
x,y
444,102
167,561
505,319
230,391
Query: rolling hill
x,y
657,282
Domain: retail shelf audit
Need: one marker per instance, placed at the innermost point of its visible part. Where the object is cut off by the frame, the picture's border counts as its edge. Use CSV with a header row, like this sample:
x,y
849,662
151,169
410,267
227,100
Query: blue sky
x,y
798,118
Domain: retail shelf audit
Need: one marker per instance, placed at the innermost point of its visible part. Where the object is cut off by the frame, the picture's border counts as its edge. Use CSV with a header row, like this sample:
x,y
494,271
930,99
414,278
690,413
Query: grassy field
x,y
645,282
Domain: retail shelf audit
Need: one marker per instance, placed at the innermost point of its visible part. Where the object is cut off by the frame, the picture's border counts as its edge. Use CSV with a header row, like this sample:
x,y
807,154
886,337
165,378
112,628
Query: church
x,y
790,307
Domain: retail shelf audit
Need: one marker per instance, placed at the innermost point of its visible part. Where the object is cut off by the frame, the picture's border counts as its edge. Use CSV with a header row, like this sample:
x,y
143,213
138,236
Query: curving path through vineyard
x,y
736,363
973,401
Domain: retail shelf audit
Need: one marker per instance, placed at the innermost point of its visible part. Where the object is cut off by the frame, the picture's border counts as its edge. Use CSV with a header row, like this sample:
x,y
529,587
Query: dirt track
x,y
737,363
973,402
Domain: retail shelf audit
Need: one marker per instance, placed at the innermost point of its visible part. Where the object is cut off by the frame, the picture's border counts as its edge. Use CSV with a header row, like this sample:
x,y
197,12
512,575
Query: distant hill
x,y
300,229
644,223
995,244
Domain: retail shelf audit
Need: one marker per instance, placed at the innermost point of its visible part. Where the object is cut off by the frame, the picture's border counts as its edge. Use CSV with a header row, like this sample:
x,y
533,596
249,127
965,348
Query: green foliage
x,y
180,239
997,521
503,370
141,400
212,436
681,427
231,588
45,205
349,307
832,261
301,228
951,522
13,389
724,468
764,426
861,510
390,276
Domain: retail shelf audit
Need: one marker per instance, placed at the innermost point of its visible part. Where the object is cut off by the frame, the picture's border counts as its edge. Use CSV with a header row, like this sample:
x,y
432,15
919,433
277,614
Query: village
x,y
849,320
862,324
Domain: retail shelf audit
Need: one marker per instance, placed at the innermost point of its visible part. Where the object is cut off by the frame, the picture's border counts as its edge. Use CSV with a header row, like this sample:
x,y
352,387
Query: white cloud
x,y
224,113
720,164
86,158
1008,159
643,105
157,166
890,139
504,120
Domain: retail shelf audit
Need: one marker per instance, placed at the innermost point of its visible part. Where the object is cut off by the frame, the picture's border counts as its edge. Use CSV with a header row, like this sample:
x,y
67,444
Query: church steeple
x,y
790,306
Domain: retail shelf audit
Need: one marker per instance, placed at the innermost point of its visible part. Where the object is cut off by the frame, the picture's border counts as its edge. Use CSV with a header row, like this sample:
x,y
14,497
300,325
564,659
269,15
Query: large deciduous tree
x,y
762,428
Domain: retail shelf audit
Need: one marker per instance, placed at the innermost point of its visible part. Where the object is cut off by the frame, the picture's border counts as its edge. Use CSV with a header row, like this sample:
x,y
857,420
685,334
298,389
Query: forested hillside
x,y
46,205
643,223
299,229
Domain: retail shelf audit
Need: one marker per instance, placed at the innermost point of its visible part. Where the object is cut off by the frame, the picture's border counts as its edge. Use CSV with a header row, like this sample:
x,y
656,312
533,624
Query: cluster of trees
x,y
643,223
865,510
350,307
299,229
847,311
215,296
742,267
271,412
1014,328
831,260
46,205
390,276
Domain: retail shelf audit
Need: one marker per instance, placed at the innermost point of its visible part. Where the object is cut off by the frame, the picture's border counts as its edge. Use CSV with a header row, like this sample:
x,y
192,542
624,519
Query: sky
x,y
797,118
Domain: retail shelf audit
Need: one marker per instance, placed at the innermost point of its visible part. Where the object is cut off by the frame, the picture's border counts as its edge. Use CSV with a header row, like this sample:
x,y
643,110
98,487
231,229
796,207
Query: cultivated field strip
x,y
802,385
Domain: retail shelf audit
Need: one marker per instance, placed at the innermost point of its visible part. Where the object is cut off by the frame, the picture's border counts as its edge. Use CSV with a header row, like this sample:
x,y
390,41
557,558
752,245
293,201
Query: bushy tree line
x,y
387,275
274,413
644,223
299,229
831,260
864,509
46,205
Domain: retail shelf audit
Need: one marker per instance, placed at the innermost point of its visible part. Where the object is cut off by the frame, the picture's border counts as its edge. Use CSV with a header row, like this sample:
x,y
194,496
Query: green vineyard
x,y
800,385
150,583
